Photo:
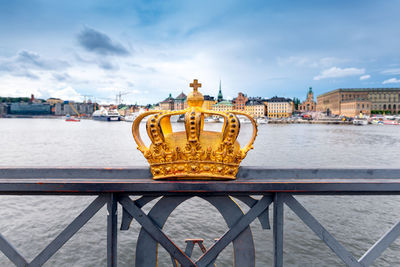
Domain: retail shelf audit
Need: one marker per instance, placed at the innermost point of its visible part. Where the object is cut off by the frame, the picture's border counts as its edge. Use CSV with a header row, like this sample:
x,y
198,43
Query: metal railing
x,y
278,186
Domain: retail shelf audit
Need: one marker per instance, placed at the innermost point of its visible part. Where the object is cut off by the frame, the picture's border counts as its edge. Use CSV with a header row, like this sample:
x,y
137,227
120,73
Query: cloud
x,y
33,60
100,43
106,65
309,61
392,80
336,72
391,72
63,92
27,64
61,77
365,77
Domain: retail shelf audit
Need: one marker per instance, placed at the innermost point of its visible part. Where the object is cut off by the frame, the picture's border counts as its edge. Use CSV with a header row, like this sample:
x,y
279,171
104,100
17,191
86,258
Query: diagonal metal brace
x,y
263,217
233,232
11,253
69,231
127,217
155,232
320,231
383,243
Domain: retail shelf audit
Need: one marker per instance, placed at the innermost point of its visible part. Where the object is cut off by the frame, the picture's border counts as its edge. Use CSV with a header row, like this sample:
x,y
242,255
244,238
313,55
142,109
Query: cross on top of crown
x,y
195,85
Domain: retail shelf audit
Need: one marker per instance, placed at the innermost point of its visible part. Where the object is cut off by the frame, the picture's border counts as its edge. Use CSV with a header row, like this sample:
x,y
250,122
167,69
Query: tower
x,y
310,94
220,97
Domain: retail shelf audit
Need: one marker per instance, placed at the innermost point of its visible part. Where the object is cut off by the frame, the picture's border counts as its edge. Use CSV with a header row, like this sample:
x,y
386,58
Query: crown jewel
x,y
193,153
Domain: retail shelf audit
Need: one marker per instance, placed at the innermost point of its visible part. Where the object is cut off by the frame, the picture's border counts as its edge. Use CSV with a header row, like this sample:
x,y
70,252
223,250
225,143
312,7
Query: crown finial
x,y
195,98
195,85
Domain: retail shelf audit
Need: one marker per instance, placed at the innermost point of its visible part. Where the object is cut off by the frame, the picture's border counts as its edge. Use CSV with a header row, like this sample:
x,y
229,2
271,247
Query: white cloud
x,y
392,80
365,77
391,72
65,93
310,62
336,72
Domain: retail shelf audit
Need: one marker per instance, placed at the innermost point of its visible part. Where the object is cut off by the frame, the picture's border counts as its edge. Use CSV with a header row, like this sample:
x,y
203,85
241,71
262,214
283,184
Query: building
x,y
208,103
168,103
53,101
3,109
30,109
351,102
280,107
309,104
256,108
239,102
72,108
224,105
180,102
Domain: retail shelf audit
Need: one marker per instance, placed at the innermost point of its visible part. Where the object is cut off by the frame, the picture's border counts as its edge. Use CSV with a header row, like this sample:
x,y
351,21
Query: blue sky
x,y
69,49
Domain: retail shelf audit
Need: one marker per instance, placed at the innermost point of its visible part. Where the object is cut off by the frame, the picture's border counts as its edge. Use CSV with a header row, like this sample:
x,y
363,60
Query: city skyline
x,y
151,49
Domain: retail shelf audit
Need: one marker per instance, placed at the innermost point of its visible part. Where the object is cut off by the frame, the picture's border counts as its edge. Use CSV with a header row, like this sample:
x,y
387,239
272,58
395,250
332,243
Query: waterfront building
x,y
353,101
30,109
209,101
180,102
53,101
224,105
309,104
67,107
256,108
168,103
279,107
239,102
3,109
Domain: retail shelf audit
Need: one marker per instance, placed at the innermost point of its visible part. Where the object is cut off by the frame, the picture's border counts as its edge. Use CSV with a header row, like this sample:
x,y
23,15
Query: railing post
x,y
278,230
112,218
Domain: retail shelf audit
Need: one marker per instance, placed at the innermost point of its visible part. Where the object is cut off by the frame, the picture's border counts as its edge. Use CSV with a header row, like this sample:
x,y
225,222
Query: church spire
x,y
220,97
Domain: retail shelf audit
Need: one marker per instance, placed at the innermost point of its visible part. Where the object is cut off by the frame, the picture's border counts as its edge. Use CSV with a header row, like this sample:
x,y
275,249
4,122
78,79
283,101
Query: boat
x,y
131,117
262,121
181,118
390,122
212,119
244,120
69,118
106,115
377,122
360,121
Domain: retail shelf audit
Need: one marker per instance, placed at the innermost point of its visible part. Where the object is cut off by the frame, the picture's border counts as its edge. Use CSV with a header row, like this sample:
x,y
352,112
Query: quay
x,y
264,190
310,122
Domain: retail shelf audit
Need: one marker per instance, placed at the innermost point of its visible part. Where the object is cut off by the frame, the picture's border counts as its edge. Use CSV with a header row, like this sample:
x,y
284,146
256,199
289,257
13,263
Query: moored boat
x,y
390,122
69,118
262,121
106,115
360,121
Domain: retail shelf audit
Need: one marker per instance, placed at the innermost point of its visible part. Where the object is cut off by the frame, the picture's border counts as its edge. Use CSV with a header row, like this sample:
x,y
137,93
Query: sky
x,y
146,50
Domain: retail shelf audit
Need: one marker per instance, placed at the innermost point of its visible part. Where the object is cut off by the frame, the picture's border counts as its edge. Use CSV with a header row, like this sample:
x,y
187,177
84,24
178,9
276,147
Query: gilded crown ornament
x,y
193,153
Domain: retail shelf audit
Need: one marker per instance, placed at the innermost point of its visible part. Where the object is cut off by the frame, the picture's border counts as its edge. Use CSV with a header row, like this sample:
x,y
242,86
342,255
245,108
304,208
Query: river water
x,y
31,222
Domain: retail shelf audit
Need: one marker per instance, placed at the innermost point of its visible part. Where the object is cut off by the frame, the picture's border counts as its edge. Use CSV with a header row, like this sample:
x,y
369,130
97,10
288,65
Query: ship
x,y
106,115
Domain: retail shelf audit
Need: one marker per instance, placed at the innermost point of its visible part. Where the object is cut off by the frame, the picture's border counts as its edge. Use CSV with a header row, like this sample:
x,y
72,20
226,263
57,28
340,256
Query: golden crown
x,y
193,153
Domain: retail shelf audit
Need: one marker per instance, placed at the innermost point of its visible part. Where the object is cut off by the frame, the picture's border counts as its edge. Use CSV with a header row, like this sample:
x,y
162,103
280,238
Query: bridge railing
x,y
258,188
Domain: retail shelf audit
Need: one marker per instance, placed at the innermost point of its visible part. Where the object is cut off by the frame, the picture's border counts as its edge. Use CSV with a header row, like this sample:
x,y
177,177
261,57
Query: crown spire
x,y
195,98
195,85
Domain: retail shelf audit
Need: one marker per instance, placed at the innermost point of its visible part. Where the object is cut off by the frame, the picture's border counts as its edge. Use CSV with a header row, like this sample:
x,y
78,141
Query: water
x,y
31,222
